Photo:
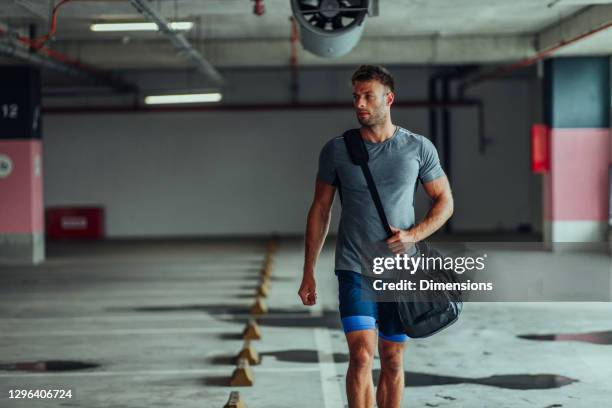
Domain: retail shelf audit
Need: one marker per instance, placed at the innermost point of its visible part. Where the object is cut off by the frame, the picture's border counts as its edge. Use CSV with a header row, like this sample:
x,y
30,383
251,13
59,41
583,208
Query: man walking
x,y
398,158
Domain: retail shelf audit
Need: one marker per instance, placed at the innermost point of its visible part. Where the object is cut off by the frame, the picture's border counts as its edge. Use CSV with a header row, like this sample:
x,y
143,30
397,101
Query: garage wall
x,y
252,172
496,190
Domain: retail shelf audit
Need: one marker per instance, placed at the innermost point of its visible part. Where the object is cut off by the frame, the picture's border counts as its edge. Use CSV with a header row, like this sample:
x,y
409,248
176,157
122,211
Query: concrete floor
x,y
162,319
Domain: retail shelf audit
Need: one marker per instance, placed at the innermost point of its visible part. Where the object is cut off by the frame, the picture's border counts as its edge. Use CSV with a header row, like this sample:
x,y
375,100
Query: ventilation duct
x,y
330,28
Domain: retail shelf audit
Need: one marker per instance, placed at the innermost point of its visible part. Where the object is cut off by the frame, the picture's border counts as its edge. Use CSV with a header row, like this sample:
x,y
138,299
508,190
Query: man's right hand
x,y
307,290
316,230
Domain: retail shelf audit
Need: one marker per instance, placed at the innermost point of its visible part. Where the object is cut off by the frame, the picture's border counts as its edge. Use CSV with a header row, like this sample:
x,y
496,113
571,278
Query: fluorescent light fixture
x,y
183,98
106,27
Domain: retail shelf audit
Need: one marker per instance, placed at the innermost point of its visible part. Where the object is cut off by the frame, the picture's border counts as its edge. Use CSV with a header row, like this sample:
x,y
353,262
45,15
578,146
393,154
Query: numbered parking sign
x,y
19,102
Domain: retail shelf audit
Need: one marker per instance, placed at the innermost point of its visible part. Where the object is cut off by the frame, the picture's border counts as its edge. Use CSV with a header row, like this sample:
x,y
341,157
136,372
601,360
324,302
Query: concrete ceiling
x,y
234,19
228,33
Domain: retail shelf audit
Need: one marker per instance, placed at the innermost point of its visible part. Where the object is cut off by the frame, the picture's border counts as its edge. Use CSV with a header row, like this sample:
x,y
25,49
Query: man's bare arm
x,y
317,228
440,192
441,210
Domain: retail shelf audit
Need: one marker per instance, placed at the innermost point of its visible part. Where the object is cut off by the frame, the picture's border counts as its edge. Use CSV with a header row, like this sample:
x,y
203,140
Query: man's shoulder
x,y
417,143
405,137
409,139
334,140
409,134
329,150
330,144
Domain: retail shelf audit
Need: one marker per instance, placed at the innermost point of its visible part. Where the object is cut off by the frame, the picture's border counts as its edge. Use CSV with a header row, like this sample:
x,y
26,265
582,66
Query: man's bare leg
x,y
359,384
391,379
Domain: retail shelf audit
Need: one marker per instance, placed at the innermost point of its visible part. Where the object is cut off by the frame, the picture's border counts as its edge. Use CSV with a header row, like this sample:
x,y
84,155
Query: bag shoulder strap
x,y
359,155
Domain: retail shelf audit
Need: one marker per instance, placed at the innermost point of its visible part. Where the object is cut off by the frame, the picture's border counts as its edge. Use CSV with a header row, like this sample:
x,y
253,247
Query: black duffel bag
x,y
426,312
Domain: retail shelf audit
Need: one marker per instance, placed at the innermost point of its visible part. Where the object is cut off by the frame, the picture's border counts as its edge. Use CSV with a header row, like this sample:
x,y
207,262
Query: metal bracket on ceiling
x,y
39,9
179,41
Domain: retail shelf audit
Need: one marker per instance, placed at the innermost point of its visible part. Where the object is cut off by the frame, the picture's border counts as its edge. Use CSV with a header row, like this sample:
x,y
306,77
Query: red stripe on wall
x,y
576,187
21,191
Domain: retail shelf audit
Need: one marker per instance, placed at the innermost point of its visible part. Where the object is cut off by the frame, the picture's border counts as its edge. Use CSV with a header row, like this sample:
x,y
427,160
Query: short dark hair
x,y
376,72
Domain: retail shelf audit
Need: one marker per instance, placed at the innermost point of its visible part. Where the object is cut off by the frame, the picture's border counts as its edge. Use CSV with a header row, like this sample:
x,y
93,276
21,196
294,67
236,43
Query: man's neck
x,y
378,133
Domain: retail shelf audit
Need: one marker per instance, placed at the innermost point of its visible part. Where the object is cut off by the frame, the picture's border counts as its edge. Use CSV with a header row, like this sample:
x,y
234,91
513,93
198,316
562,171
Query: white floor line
x,y
332,393
220,370
119,332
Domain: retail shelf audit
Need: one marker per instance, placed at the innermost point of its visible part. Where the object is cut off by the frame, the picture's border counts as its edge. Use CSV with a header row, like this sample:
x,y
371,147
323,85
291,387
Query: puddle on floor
x,y
51,365
303,356
512,381
602,337
274,318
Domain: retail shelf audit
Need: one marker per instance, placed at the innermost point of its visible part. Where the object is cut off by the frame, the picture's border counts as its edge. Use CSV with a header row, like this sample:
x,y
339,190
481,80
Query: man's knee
x,y
361,348
392,359
391,365
361,354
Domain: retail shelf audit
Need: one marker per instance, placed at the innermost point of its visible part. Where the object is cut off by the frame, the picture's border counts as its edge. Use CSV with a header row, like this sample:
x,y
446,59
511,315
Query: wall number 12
x,y
10,111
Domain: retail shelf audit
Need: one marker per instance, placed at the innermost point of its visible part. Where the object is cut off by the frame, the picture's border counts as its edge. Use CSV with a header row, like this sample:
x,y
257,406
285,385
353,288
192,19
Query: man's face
x,y
372,102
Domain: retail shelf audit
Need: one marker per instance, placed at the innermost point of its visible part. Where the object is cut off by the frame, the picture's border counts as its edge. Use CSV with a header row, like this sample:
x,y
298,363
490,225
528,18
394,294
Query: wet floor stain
x,y
512,382
231,336
223,360
303,356
602,337
413,379
327,319
291,356
275,278
212,309
446,397
51,365
217,381
274,318
248,295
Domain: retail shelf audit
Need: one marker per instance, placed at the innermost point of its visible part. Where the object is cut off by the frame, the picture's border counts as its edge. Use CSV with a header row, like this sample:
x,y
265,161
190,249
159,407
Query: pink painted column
x,y
576,186
21,178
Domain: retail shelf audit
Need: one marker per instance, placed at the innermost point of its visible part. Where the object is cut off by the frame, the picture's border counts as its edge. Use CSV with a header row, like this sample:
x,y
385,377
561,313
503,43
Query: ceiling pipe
x,y
14,50
178,40
248,107
525,62
295,83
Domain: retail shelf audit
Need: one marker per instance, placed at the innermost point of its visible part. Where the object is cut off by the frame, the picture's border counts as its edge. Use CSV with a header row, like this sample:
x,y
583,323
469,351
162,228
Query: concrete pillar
x,y
21,185
577,111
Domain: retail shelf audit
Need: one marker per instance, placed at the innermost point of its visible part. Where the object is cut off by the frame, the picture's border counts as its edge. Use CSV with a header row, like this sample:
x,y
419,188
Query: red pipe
x,y
295,85
58,56
501,71
37,44
294,41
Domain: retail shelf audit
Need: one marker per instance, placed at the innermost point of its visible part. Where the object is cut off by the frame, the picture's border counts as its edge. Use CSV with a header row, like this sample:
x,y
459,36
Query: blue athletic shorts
x,y
358,314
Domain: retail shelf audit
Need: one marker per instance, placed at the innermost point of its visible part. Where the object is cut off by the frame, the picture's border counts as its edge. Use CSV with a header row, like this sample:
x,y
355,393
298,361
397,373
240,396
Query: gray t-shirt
x,y
396,165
